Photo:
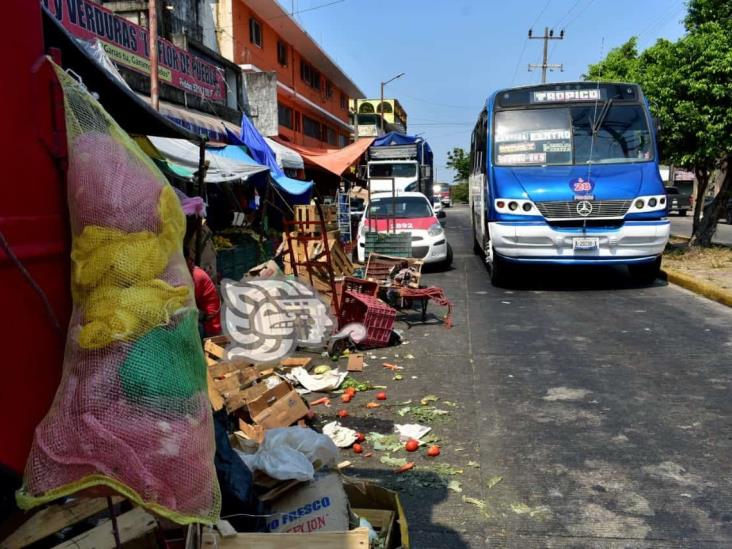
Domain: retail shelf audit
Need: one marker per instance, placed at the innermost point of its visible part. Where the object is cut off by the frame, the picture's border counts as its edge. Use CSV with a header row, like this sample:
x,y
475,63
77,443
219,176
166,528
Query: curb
x,y
699,286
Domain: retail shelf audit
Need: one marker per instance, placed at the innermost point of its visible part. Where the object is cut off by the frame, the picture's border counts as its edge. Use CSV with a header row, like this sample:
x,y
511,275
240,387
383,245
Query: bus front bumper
x,y
634,241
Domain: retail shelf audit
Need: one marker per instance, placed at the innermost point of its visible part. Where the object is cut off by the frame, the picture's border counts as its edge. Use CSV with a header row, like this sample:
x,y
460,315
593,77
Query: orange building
x,y
295,90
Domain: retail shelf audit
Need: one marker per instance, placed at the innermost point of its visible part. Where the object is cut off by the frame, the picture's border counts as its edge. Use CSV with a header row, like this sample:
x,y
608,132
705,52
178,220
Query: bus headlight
x,y
652,202
639,204
435,230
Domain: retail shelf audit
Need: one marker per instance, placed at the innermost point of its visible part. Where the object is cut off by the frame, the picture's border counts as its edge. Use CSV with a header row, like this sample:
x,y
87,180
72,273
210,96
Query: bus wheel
x,y
498,268
476,247
645,273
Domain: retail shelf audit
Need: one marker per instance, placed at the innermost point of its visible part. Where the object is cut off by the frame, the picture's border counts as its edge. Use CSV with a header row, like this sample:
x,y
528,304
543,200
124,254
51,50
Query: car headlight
x,y
435,230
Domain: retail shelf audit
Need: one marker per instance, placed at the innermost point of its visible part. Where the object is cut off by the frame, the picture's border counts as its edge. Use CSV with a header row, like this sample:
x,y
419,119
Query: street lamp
x,y
381,103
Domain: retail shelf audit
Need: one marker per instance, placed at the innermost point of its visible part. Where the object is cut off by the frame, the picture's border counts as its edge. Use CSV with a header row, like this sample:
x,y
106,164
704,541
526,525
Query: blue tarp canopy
x,y
393,138
295,191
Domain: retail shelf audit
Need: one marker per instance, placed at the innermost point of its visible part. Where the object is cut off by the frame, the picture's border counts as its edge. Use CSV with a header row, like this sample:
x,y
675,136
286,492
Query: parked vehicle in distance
x,y
407,212
442,193
401,162
567,173
678,202
437,205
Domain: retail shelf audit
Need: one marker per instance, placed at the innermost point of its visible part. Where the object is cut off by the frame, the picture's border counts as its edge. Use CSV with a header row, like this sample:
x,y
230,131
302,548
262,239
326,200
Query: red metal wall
x,y
33,221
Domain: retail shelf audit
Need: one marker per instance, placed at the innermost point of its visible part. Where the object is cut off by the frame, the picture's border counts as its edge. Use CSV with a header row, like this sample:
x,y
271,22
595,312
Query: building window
x,y
342,141
366,108
284,115
311,128
281,53
255,32
310,75
331,137
328,89
385,107
344,101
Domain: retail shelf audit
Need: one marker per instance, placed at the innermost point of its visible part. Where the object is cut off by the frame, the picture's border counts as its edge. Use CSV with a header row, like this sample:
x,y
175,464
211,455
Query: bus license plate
x,y
586,243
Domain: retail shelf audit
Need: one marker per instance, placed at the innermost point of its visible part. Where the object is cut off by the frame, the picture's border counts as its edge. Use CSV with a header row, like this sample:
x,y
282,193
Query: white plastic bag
x,y
290,453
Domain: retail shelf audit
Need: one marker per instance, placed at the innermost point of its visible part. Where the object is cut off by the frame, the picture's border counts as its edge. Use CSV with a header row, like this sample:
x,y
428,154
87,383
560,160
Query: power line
x,y
306,10
558,24
540,14
579,13
518,63
436,104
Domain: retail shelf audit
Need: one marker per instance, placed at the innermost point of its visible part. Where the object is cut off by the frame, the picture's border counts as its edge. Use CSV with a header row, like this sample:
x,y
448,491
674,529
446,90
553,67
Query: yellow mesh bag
x,y
131,413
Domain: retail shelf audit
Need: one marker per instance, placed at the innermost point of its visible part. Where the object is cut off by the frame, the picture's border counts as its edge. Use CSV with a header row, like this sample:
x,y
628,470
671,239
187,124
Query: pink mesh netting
x,y
131,413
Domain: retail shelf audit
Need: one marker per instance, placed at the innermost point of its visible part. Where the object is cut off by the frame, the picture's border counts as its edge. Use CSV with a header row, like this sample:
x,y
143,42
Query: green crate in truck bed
x,y
393,244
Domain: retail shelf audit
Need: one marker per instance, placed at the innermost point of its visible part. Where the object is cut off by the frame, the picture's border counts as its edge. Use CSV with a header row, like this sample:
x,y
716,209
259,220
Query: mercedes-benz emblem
x,y
584,208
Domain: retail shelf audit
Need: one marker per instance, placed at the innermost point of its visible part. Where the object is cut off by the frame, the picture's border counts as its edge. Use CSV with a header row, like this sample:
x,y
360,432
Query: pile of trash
x,y
279,468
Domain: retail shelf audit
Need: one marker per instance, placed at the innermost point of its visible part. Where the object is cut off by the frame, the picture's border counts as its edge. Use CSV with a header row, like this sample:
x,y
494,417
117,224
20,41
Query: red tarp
x,y
335,161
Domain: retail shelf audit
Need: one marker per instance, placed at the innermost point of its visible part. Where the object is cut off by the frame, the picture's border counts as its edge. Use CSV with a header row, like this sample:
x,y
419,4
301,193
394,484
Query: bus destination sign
x,y
567,96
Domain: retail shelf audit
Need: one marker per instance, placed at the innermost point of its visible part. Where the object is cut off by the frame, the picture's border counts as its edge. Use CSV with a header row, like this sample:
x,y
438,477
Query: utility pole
x,y
548,35
152,31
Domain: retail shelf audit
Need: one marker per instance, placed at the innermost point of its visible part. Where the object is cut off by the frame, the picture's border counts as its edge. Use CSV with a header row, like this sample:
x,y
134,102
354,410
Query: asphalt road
x,y
682,226
583,411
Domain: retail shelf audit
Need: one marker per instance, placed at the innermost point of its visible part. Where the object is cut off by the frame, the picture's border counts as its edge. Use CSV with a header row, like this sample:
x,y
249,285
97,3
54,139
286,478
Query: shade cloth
x,y
220,169
285,156
249,135
299,191
335,161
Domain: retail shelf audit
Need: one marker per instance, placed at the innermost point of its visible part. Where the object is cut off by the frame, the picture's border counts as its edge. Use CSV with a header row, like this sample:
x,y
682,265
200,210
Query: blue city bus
x,y
567,174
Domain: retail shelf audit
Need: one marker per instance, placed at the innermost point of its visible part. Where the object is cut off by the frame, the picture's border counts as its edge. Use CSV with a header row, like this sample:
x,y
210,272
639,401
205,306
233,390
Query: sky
x,y
455,53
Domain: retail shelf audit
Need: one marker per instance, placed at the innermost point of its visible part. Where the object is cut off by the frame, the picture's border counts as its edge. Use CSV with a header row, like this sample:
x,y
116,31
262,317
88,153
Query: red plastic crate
x,y
361,286
374,314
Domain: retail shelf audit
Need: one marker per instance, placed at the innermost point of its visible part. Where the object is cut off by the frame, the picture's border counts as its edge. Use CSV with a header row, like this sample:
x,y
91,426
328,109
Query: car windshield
x,y
564,135
404,207
392,170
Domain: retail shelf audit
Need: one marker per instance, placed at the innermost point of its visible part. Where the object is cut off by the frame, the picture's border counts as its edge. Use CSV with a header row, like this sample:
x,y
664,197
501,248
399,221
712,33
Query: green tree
x,y
460,162
708,11
688,85
620,65
459,192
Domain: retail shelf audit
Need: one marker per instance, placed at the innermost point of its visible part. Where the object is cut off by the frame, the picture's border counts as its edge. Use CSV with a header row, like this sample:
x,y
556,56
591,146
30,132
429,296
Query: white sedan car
x,y
409,212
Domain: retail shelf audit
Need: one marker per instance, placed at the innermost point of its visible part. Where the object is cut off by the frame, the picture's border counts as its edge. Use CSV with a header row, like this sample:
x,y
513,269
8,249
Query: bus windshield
x,y
392,170
563,135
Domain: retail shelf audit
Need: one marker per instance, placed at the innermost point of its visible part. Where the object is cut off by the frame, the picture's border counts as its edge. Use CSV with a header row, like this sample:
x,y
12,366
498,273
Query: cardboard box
x,y
320,505
280,406
367,496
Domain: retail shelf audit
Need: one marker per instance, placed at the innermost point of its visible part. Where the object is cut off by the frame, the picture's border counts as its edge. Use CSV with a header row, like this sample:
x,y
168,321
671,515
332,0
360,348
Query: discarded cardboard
x,y
353,539
368,495
268,269
320,505
381,520
296,362
280,406
355,362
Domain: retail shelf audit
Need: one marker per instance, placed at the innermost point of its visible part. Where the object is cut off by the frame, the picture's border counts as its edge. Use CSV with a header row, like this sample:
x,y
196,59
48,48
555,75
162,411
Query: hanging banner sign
x,y
127,44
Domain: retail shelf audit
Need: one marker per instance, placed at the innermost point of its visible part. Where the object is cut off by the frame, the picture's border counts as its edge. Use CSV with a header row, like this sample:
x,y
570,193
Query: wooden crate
x,y
309,219
136,526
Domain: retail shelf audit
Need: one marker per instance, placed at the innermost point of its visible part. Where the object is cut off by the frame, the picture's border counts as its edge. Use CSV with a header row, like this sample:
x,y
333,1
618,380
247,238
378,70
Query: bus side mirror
x,y
426,172
441,214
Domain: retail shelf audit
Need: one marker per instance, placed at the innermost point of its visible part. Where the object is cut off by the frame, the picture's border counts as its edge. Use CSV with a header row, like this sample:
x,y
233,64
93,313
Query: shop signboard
x,y
127,45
